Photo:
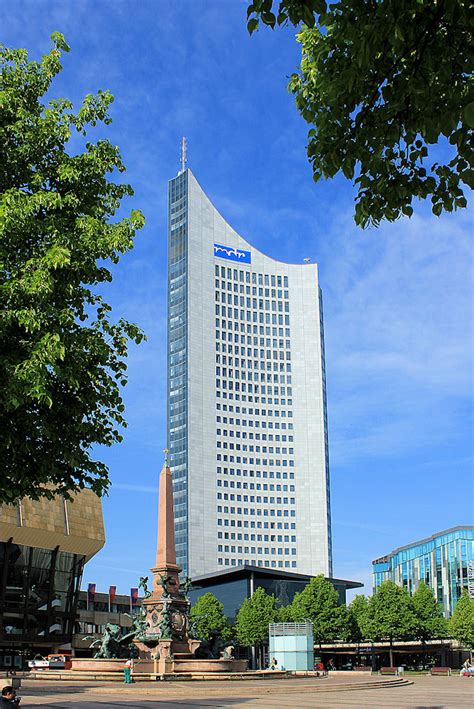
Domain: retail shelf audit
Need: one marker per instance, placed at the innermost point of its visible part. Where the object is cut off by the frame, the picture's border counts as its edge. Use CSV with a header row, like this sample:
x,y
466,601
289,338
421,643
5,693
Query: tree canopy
x,y
62,357
429,620
461,623
358,617
319,602
207,616
390,614
380,83
254,617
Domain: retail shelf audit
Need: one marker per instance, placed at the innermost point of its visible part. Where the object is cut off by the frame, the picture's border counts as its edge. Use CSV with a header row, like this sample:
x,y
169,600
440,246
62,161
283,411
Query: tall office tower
x,y
247,425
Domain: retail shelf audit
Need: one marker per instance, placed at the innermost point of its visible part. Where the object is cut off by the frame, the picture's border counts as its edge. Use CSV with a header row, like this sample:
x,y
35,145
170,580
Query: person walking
x,y
127,671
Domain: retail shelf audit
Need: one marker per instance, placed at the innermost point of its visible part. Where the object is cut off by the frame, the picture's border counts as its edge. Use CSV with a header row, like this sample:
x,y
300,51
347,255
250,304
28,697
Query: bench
x,y
362,668
440,671
389,670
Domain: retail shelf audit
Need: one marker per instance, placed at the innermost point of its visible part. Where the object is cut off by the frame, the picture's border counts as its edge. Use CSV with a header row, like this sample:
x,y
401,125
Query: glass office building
x,y
444,562
247,423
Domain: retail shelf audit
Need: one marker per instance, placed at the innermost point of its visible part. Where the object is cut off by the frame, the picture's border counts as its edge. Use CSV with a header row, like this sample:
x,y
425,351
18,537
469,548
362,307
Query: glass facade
x,y
177,409
38,593
442,561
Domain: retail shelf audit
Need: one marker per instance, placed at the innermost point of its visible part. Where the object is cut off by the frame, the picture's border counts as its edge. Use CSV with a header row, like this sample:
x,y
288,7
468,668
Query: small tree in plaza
x,y
461,623
319,603
358,617
390,615
429,620
254,617
207,616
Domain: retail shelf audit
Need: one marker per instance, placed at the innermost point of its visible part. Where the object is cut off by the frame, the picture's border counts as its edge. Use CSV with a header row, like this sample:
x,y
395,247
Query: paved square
x,y
425,693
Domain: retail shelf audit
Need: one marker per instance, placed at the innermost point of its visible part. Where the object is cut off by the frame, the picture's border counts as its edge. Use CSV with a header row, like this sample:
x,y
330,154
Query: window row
x,y
258,537
271,500
251,277
255,473
254,486
273,551
223,304
226,286
226,311
252,512
257,562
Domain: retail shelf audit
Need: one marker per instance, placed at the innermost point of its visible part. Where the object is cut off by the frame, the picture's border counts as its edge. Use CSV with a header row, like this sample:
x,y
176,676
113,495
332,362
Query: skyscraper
x,y
247,424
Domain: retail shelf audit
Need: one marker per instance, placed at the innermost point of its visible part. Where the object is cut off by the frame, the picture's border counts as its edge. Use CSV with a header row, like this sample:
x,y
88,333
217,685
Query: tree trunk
x,y
253,660
391,653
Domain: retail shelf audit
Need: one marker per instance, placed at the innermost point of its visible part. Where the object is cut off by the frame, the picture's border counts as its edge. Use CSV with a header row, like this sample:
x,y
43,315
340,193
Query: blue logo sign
x,y
231,254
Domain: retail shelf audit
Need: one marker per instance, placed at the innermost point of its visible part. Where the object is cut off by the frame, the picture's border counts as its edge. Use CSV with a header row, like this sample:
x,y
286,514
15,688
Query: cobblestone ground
x,y
425,693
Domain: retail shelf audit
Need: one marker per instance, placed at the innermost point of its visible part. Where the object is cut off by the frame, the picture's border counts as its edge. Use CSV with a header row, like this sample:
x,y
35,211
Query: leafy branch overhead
x,y
381,84
62,358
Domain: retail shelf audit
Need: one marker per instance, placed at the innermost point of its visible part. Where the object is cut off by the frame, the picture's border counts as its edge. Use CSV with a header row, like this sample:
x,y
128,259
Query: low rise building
x,y
234,585
44,545
444,561
94,614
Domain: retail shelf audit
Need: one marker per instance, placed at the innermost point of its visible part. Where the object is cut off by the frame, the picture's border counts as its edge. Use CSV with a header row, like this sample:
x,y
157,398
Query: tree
x,y
358,617
390,615
429,620
254,617
461,623
208,615
62,358
380,83
319,603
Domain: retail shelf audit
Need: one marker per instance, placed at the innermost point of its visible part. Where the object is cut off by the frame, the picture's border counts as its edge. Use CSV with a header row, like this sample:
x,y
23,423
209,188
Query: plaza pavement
x,y
425,693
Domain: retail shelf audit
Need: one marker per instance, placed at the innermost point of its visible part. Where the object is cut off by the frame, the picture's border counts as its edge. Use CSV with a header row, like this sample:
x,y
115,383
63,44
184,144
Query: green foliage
x,y
461,623
319,602
293,11
254,617
380,83
358,617
208,615
389,614
429,620
62,359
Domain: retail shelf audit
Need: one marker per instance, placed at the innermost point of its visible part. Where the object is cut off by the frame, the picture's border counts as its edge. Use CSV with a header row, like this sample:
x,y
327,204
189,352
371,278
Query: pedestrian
x,y
274,664
127,671
465,668
9,698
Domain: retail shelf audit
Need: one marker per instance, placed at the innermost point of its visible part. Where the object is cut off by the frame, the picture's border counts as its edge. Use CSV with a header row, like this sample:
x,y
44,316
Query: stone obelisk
x,y
166,607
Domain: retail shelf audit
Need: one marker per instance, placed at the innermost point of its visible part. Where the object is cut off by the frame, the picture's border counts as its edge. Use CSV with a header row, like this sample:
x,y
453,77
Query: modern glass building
x,y
443,561
247,423
44,545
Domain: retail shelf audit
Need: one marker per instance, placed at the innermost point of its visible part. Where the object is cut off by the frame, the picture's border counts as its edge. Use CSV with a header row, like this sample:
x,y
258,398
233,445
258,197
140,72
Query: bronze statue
x,y
143,584
165,623
164,585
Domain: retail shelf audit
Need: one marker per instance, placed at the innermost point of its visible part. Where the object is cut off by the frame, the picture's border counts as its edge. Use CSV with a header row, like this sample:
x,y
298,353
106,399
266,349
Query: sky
x,y
397,299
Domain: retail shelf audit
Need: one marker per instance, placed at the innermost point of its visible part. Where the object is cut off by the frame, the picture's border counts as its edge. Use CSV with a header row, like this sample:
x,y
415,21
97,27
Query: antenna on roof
x,y
183,155
307,259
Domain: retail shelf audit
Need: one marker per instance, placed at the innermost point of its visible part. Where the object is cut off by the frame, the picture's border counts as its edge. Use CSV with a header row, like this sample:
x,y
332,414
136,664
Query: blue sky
x,y
397,300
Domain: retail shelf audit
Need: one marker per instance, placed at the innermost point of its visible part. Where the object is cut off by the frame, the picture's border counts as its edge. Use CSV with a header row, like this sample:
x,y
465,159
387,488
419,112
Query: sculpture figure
x,y
143,584
112,644
164,578
186,586
165,623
